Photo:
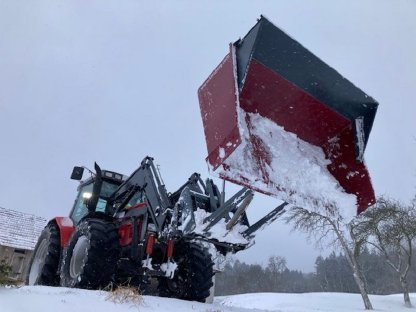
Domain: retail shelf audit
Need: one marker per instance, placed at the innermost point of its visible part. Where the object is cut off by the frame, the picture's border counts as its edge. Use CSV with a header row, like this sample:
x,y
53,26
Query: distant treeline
x,y
332,274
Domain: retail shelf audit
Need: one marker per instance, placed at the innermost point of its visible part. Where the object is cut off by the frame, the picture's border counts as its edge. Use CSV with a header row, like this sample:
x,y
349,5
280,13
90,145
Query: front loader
x,y
277,120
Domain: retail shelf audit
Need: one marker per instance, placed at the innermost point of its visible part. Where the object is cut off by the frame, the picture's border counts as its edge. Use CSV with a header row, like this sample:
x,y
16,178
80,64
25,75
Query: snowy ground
x,y
49,299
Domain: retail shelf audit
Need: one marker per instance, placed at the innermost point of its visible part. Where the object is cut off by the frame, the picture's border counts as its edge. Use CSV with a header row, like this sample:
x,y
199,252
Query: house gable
x,y
20,230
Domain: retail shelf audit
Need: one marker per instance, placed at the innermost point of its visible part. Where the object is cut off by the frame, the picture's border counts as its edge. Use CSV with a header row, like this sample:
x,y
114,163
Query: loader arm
x,y
193,195
145,179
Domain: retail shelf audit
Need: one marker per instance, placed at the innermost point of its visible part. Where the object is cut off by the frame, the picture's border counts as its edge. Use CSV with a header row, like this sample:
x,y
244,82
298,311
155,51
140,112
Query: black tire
x,y
43,267
193,276
90,260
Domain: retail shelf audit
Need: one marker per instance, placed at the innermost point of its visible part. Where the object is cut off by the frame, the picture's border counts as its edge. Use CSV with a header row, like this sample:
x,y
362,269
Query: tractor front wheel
x,y
193,276
90,260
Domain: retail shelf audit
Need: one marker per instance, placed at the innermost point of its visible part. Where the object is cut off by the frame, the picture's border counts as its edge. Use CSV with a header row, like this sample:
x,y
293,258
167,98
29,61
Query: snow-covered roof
x,y
20,230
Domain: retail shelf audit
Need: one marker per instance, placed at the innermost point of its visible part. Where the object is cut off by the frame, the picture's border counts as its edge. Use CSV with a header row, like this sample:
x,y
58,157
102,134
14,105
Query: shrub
x,y
5,270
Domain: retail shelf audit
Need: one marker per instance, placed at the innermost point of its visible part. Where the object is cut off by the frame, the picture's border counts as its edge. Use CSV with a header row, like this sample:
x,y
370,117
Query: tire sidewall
x,y
47,277
45,235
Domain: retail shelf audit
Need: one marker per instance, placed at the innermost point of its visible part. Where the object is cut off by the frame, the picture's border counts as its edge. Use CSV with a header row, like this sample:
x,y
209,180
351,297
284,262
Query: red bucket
x,y
282,122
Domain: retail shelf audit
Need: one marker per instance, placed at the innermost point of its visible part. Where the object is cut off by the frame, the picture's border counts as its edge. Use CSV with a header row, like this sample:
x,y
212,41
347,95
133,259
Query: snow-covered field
x,y
49,299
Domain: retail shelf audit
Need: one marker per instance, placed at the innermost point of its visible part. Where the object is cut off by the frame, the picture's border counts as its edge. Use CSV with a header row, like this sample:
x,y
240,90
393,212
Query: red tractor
x,y
131,230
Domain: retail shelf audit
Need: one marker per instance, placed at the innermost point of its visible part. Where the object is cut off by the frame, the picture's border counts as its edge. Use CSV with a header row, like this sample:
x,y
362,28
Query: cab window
x,y
139,197
106,190
80,209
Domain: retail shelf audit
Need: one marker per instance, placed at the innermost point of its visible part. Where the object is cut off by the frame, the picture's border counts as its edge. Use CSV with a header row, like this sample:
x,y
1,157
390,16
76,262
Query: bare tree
x,y
277,264
333,227
391,228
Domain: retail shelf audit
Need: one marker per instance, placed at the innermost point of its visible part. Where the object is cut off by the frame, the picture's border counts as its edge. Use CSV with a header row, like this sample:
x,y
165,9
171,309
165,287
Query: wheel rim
x,y
38,262
79,255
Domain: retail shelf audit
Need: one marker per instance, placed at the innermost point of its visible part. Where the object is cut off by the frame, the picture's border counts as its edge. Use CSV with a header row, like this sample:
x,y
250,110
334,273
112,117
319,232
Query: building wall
x,y
18,259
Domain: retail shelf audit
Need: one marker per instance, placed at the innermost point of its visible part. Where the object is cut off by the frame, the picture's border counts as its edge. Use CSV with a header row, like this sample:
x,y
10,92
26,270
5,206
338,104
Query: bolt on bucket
x,y
280,121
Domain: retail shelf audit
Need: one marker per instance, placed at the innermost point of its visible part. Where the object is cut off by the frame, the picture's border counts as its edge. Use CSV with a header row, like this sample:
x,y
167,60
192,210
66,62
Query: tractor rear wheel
x,y
43,267
193,276
91,257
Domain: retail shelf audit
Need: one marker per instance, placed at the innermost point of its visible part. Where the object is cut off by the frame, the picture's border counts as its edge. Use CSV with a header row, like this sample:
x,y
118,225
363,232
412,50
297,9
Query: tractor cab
x,y
94,192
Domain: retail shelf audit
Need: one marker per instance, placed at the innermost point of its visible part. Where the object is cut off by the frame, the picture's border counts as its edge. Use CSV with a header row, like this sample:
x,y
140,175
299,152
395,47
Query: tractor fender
x,y
66,227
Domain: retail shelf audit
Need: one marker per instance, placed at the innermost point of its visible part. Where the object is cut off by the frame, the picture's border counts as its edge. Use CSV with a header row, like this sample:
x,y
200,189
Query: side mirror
x,y
77,173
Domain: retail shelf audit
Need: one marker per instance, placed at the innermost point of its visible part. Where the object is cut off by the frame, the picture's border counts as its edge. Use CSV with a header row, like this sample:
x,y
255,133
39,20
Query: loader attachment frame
x,y
179,207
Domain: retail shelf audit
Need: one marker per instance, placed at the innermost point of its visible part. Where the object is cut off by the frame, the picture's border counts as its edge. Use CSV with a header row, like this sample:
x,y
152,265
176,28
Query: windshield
x,y
107,189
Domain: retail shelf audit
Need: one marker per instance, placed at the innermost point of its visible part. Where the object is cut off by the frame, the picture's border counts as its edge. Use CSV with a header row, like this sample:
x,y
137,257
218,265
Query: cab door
x,y
80,209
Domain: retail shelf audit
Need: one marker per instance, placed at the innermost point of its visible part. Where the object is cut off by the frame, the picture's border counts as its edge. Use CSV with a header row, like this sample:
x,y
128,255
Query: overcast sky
x,y
114,81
